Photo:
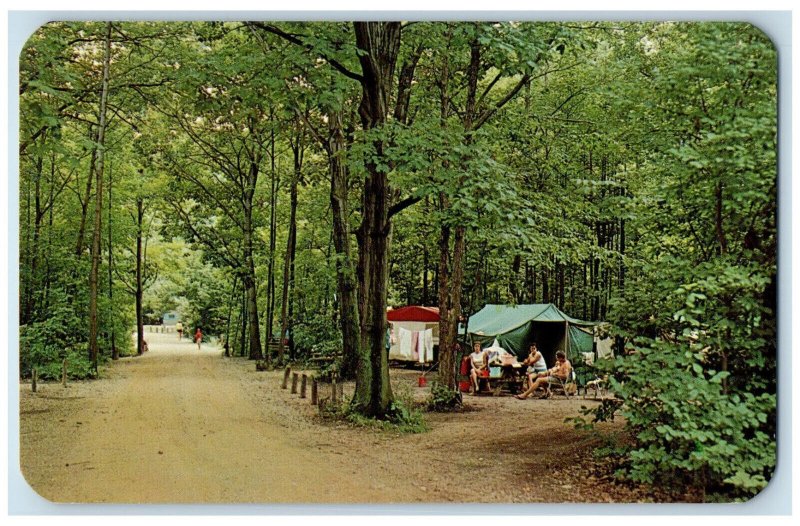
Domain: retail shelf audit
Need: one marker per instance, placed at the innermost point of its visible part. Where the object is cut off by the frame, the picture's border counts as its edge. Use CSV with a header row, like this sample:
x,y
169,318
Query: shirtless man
x,y
561,371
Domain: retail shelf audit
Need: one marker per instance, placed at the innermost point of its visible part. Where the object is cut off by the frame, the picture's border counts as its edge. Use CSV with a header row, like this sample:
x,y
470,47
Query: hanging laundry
x,y
426,346
404,343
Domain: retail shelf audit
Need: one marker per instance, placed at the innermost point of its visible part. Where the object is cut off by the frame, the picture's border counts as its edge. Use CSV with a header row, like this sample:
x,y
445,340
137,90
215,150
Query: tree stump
x,y
303,386
314,391
64,373
295,376
34,379
286,377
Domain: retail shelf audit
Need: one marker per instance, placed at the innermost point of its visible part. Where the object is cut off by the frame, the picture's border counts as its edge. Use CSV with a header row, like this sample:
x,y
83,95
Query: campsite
x,y
379,262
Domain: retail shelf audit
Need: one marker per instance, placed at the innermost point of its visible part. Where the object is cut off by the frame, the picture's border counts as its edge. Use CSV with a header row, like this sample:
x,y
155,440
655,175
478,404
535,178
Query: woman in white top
x,y
480,366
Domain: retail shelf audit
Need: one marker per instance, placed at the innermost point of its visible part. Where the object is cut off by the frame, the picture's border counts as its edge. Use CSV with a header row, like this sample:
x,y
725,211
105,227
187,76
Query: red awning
x,y
414,313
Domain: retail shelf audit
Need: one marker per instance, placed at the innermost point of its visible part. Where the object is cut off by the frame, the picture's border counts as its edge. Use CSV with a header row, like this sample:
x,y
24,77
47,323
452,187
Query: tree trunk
x,y
450,286
114,350
290,244
273,227
425,264
48,249
720,231
87,196
231,302
355,358
446,350
249,277
379,45
139,288
513,287
243,321
32,283
98,209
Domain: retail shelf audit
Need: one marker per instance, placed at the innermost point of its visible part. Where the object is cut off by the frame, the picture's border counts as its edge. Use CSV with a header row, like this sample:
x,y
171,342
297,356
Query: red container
x,y
422,381
464,386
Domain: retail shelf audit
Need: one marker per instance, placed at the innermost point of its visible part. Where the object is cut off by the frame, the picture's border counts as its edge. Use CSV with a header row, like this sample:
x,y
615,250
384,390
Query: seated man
x,y
536,364
480,366
560,371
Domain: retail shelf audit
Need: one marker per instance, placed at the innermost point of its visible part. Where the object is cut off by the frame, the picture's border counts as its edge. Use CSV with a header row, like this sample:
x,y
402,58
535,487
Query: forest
x,y
281,184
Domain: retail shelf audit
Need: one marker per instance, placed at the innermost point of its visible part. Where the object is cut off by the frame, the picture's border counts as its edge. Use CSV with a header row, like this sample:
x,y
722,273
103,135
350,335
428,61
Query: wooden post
x,y
286,377
34,378
64,373
314,388
294,383
303,386
341,392
334,390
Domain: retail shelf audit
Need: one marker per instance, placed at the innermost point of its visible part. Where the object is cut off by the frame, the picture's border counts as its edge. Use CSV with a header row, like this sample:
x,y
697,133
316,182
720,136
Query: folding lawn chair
x,y
568,387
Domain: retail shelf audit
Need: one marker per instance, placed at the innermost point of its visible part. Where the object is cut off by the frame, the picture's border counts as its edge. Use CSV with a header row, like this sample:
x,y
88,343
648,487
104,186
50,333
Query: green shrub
x,y
44,344
688,432
404,414
444,399
317,335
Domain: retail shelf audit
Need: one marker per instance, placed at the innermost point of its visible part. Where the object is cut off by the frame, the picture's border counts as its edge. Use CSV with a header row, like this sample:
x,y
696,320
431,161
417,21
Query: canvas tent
x,y
413,330
516,327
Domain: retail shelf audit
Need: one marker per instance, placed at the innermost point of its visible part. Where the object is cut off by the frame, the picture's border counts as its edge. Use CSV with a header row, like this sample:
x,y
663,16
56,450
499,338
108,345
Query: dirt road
x,y
179,425
176,426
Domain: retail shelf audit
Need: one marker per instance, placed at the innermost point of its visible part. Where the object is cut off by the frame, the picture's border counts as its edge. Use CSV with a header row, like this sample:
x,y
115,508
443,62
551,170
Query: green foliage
x,y
633,179
44,344
697,382
405,415
704,437
317,335
444,399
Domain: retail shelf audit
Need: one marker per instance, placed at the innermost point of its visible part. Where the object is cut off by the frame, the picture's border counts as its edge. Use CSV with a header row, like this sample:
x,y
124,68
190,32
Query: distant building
x,y
170,318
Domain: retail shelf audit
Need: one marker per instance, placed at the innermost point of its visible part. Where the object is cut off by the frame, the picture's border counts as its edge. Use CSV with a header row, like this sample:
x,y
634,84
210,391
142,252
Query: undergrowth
x,y
404,415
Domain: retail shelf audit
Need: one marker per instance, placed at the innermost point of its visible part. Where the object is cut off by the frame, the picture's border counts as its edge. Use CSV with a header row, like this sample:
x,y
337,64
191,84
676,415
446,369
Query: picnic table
x,y
512,377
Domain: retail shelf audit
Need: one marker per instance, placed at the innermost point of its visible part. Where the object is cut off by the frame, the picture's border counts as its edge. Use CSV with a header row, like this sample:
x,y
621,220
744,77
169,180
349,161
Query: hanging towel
x,y
404,343
415,345
426,344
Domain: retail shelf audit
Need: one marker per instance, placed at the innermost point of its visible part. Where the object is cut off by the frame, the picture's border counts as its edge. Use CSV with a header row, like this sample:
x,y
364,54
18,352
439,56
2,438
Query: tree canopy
x,y
290,181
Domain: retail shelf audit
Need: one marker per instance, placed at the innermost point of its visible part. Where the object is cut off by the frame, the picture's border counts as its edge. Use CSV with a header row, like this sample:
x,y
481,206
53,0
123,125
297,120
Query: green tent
x,y
515,327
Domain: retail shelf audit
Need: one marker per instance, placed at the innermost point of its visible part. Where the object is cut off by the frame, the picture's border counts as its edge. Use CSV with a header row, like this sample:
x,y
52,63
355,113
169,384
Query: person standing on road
x,y
198,337
179,330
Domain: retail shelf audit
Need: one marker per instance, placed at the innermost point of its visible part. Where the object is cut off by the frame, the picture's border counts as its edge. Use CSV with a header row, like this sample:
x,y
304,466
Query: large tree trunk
x,y
451,278
98,209
379,45
355,362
